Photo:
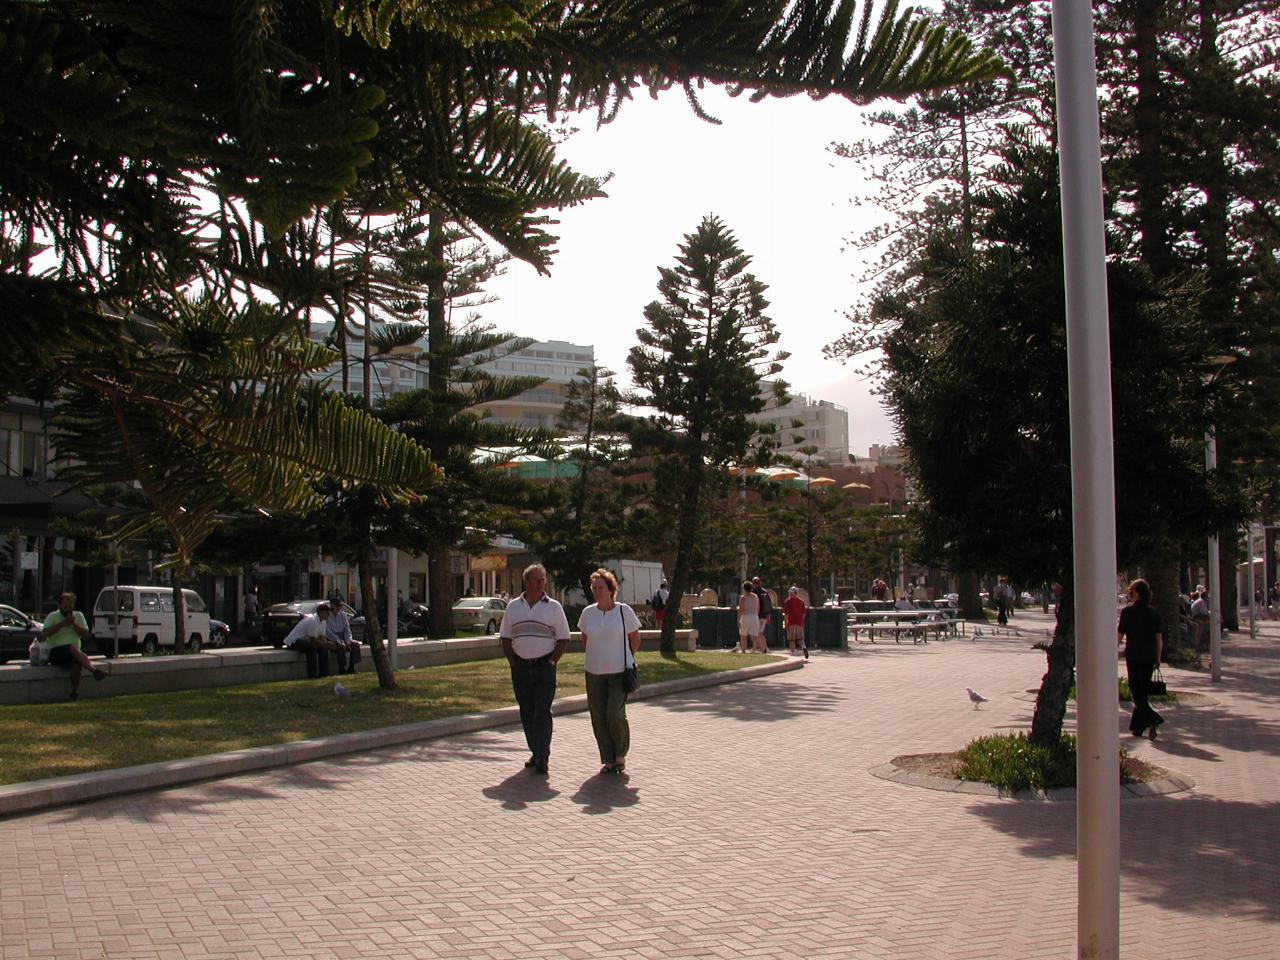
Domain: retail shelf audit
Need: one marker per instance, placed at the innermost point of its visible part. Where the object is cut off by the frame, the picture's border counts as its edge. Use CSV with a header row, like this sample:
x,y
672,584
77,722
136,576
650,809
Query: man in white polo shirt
x,y
534,633
308,637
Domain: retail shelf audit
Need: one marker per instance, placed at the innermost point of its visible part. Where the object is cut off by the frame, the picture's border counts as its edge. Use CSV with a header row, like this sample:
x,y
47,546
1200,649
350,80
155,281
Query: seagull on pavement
x,y
976,697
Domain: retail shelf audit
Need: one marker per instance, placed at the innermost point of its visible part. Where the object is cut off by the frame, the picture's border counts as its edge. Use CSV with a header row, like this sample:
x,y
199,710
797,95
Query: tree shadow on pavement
x,y
521,789
1191,854
605,792
755,701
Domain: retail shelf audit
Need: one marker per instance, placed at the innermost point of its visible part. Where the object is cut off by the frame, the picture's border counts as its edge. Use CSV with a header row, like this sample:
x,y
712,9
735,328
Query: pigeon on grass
x,y
976,697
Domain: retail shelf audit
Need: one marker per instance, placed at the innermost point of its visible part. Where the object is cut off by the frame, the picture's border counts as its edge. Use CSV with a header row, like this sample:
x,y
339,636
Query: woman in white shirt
x,y
611,634
748,615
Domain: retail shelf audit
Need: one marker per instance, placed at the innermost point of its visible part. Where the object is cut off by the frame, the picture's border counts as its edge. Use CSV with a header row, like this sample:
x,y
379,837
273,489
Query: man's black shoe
x,y
541,766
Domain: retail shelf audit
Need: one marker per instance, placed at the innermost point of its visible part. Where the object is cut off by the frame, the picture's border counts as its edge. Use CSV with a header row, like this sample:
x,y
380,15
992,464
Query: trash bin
x,y
827,628
706,620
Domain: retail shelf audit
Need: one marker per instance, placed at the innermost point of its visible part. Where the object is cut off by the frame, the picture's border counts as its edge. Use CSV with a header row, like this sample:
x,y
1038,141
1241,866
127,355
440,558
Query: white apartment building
x,y
391,374
804,422
888,455
556,362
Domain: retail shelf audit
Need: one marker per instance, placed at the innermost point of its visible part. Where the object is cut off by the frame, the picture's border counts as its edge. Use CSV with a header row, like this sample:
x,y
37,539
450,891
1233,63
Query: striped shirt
x,y
534,630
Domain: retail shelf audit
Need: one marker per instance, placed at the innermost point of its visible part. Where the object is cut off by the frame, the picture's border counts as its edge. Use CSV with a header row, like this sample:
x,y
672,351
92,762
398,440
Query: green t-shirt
x,y
67,633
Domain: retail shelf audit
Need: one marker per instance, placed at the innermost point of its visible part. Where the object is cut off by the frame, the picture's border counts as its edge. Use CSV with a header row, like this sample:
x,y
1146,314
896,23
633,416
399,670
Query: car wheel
x,y
217,639
195,644
491,627
151,645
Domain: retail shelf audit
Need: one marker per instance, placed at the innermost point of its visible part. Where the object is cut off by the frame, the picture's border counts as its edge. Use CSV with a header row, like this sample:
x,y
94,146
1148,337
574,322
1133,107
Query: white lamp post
x,y
1215,578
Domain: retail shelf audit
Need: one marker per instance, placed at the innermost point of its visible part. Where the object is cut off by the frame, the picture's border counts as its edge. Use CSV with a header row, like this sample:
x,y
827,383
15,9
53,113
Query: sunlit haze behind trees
x,y
768,172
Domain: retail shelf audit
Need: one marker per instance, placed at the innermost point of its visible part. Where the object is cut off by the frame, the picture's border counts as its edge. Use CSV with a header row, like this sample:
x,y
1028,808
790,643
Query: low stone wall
x,y
23,683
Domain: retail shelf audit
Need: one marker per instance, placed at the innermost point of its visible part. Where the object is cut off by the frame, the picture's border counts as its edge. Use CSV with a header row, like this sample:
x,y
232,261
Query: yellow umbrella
x,y
855,486
821,481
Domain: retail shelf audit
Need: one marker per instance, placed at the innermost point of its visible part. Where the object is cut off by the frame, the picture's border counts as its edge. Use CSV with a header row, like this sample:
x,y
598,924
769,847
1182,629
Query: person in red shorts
x,y
793,611
659,602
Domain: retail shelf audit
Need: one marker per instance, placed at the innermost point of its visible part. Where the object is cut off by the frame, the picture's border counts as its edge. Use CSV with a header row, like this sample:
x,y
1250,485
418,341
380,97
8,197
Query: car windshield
x,y
471,602
305,607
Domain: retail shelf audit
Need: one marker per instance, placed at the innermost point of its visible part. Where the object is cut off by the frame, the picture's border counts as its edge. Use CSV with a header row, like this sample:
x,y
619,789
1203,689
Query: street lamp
x,y
811,583
1220,364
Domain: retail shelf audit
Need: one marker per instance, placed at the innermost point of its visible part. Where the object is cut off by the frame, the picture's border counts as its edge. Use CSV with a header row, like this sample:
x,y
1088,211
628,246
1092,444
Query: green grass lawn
x,y
56,739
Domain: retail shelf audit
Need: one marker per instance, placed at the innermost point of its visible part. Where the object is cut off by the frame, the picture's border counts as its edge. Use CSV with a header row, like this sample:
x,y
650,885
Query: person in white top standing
x,y
611,634
534,635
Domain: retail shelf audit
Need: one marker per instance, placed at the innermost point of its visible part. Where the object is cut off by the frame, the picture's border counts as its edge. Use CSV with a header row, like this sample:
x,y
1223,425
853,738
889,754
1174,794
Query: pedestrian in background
x,y
764,616
63,630
534,635
337,630
793,611
659,603
748,615
1200,617
611,635
1142,634
309,638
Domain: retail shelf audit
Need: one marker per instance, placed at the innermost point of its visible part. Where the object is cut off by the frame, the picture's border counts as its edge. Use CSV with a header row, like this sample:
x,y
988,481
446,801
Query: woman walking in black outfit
x,y
1142,634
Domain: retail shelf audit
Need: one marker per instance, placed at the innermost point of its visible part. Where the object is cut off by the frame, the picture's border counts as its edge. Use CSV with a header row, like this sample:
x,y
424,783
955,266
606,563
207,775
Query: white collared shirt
x,y
310,626
606,634
534,629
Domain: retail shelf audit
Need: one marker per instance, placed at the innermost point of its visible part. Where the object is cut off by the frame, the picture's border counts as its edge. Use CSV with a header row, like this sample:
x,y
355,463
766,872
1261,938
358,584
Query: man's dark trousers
x,y
317,654
534,683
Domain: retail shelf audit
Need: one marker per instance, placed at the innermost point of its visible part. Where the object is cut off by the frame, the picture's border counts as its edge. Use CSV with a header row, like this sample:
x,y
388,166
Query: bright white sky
x,y
768,174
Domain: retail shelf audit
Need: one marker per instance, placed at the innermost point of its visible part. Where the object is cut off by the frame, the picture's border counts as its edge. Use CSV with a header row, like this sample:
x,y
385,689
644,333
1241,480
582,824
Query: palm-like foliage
x,y
188,146
196,414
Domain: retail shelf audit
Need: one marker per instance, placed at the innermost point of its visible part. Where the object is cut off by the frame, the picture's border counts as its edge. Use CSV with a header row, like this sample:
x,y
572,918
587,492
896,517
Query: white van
x,y
145,618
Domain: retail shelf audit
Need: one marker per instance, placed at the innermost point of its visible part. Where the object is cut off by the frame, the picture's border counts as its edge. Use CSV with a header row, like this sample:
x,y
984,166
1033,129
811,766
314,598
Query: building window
x,y
10,453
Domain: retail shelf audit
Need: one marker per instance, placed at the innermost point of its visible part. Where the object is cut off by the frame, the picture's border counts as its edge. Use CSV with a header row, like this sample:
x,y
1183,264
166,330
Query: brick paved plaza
x,y
750,827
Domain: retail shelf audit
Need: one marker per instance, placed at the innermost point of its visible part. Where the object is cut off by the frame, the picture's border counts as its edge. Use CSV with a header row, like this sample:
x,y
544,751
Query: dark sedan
x,y
280,618
17,630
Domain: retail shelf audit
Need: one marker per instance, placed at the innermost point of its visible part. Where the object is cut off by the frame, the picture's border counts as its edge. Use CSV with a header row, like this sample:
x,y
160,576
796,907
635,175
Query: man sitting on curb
x,y
338,633
308,637
63,629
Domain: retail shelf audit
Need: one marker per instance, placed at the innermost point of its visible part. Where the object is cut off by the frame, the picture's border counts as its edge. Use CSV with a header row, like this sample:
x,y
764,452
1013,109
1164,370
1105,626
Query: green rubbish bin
x,y
706,620
827,628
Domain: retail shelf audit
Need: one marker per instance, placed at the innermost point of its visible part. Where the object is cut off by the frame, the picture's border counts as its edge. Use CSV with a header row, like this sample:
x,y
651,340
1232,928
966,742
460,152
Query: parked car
x,y
143,616
219,633
479,613
17,630
280,618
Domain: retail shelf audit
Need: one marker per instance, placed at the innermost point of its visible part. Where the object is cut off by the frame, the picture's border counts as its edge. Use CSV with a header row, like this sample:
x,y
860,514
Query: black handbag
x,y
630,675
1157,686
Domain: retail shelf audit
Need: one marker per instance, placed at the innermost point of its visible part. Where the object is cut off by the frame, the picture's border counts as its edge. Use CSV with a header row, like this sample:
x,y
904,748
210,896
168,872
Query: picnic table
x,y
915,624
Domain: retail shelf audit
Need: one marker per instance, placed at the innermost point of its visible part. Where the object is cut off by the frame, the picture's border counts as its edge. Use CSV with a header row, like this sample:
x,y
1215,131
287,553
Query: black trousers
x,y
347,657
1140,686
317,653
534,683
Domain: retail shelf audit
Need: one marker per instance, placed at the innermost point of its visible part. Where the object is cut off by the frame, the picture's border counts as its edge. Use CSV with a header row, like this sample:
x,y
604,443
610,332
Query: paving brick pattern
x,y
749,827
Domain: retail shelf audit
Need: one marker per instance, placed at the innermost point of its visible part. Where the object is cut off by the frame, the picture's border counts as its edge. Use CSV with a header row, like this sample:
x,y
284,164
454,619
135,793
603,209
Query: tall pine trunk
x,y
1051,701
440,590
179,616
1163,577
686,533
373,625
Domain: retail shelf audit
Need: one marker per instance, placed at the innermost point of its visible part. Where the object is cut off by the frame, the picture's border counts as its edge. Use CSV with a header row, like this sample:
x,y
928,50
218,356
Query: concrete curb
x,y
40,795
1173,783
